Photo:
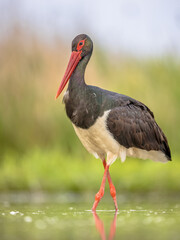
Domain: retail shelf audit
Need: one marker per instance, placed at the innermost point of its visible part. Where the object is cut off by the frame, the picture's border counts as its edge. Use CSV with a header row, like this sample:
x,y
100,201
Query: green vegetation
x,y
38,147
53,170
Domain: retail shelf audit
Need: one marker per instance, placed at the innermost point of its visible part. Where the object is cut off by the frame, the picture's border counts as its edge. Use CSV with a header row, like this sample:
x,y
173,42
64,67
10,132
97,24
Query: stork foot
x,y
111,186
113,194
98,197
100,194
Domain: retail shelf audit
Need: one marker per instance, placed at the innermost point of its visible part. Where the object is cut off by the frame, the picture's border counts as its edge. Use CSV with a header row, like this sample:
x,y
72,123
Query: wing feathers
x,y
133,125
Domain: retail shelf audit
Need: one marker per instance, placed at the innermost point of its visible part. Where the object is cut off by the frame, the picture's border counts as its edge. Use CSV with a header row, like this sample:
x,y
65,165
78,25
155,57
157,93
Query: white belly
x,y
100,142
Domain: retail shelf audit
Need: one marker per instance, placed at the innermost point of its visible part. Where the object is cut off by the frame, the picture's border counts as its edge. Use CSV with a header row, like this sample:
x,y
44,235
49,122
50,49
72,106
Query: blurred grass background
x,y
38,147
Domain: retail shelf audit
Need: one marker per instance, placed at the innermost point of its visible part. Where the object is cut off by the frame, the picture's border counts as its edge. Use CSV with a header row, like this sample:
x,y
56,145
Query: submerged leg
x,y
113,227
100,194
111,186
99,226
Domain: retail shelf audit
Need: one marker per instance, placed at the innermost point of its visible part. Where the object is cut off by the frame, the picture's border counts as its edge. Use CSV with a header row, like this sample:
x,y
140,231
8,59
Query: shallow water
x,y
57,218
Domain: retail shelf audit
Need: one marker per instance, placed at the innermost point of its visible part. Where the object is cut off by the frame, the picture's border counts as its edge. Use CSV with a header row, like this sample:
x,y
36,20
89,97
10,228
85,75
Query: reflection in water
x,y
100,226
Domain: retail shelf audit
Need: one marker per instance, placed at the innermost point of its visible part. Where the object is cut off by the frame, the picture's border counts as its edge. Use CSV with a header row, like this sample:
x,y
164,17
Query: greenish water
x,y
26,216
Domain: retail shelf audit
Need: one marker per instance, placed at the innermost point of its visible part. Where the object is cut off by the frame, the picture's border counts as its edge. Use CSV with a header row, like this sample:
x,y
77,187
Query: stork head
x,y
82,46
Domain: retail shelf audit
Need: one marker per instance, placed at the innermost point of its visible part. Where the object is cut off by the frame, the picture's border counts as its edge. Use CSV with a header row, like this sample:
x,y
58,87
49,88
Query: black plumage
x,y
131,123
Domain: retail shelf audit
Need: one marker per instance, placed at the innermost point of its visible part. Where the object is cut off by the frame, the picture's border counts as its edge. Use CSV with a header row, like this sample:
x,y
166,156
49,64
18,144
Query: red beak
x,y
73,61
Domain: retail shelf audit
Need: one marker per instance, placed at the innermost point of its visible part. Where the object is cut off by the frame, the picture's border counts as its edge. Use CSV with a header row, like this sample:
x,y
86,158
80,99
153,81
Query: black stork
x,y
107,123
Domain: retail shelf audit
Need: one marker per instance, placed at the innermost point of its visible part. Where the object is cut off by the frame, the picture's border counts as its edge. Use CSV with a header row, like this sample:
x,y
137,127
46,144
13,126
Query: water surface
x,y
58,218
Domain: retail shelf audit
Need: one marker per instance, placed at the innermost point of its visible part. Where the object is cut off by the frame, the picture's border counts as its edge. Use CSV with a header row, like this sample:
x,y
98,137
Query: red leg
x,y
111,186
100,194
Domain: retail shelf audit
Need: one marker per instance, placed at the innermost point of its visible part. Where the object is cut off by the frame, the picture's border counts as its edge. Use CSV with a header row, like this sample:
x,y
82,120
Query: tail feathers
x,y
167,151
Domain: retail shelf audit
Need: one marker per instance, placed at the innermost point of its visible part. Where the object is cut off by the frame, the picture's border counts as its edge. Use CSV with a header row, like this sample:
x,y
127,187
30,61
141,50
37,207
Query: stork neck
x,y
77,77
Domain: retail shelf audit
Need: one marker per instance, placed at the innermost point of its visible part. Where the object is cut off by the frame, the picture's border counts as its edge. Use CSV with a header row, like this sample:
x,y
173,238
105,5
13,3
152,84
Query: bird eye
x,y
80,44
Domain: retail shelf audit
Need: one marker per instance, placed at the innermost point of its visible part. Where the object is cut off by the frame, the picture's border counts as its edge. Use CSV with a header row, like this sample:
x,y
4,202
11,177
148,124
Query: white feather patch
x,y
100,142
122,153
